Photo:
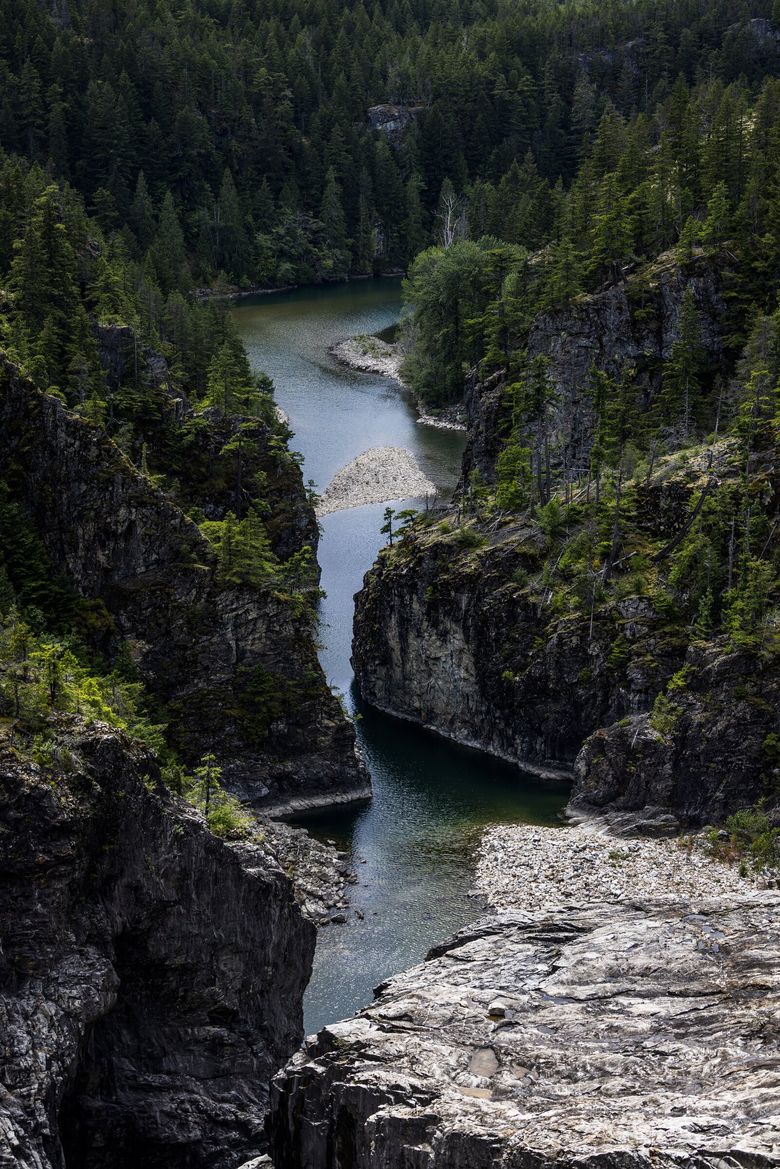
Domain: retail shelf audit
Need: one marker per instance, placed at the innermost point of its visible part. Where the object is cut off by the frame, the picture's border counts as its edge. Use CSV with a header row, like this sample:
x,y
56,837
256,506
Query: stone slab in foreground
x,y
619,1036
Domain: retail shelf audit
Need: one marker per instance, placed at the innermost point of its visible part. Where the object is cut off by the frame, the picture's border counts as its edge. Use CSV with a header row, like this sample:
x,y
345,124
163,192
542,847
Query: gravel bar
x,y
380,475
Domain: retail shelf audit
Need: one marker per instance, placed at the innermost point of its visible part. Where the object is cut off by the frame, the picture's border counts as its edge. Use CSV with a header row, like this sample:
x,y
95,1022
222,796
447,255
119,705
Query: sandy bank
x,y
379,475
526,868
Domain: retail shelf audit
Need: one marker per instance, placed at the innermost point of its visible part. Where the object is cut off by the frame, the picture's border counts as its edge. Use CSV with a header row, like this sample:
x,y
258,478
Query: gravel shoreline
x,y
373,355
528,868
380,475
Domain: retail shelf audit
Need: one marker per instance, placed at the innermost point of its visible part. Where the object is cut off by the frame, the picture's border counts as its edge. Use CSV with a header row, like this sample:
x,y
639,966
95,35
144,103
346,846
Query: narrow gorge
x,y
389,584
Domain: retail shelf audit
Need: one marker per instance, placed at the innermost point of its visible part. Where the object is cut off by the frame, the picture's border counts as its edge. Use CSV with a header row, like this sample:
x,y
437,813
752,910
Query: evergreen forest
x,y
515,160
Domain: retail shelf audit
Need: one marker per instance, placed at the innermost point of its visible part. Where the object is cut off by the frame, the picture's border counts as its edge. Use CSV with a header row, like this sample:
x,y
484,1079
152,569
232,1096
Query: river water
x,y
412,846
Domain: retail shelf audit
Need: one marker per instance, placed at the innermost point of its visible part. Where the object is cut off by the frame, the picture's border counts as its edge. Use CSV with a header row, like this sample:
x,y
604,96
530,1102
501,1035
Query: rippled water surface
x,y
412,845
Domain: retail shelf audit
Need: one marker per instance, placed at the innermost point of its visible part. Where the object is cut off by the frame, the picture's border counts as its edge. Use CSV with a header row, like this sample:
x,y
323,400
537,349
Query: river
x,y
412,846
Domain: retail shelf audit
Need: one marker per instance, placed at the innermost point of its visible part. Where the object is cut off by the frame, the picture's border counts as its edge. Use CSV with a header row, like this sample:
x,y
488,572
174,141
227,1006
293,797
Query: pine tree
x,y
413,228
717,225
335,224
612,231
44,279
168,252
564,280
364,245
142,217
683,374
234,241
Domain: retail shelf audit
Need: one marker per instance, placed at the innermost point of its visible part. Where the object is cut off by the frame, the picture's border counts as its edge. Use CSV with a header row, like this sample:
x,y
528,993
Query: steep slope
x,y
524,627
453,637
210,462
633,324
708,748
234,666
151,975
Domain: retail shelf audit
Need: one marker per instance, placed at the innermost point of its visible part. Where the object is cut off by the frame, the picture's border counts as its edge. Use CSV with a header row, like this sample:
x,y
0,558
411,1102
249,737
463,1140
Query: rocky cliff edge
x,y
151,975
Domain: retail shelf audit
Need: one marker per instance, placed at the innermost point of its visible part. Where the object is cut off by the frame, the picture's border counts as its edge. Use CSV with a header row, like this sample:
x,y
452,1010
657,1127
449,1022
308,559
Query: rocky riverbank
x,y
527,869
618,1034
318,872
379,475
373,355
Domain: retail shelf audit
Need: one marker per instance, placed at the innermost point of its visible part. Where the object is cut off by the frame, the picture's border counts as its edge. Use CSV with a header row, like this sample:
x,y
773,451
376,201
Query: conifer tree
x,y
683,373
168,252
142,217
334,222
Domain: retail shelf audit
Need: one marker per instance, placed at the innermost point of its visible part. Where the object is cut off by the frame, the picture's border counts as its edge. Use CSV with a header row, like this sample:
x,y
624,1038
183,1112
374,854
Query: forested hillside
x,y
230,139
584,198
646,325
591,170
611,567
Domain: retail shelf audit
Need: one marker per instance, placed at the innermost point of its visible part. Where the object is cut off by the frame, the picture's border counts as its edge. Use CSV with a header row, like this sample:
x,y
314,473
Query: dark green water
x,y
412,846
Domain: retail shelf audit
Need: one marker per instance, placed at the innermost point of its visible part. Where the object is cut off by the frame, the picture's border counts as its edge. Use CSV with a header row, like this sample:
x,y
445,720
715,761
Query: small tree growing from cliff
x,y
224,814
207,778
387,526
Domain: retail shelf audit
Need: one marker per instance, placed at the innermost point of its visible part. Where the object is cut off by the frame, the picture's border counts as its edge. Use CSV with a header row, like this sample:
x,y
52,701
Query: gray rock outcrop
x,y
393,120
451,638
713,751
536,644
234,666
151,975
620,1036
633,323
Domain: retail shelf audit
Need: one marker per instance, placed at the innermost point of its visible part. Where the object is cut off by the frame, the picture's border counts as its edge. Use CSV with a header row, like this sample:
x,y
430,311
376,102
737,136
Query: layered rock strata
x,y
620,1035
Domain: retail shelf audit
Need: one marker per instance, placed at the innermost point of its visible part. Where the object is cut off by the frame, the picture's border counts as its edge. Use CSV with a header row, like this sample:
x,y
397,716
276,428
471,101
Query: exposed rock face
x,y
209,460
234,666
450,635
711,754
151,975
392,120
452,639
478,635
611,1035
318,871
633,323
